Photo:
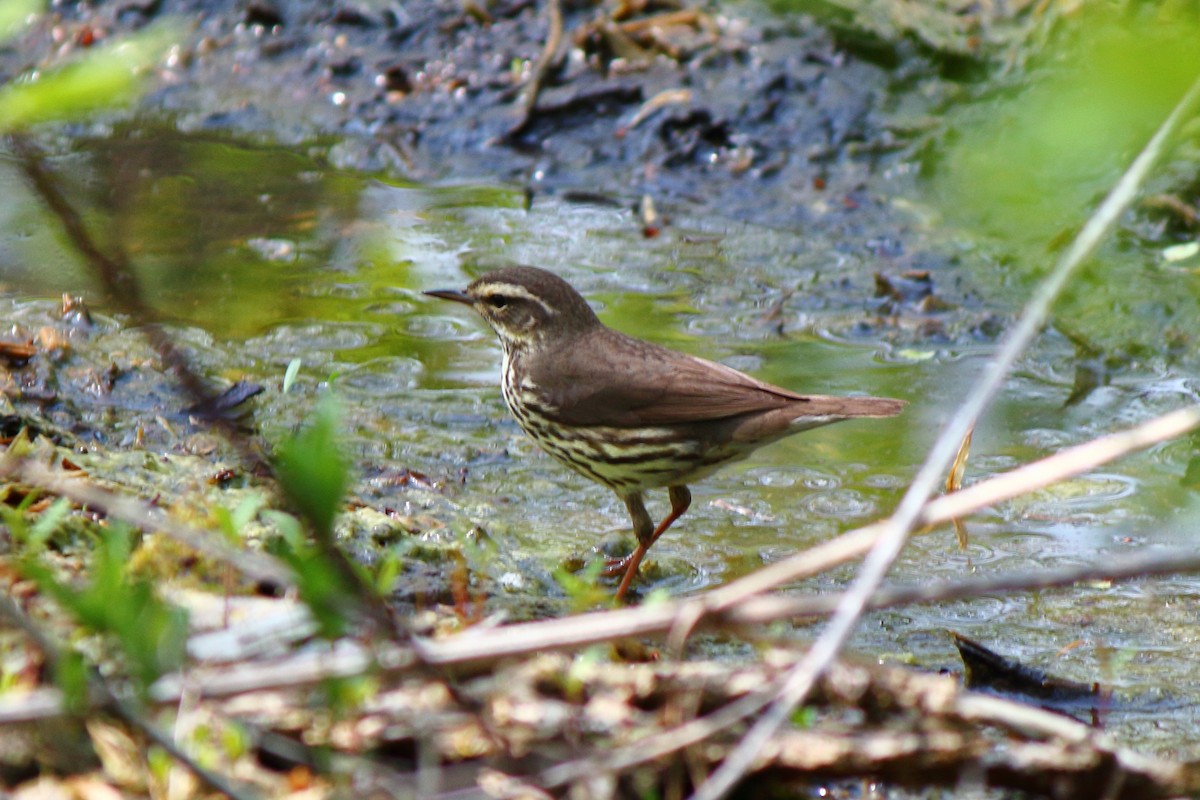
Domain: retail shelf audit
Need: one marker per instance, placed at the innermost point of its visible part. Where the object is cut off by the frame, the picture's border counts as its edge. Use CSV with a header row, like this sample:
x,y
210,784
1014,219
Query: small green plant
x,y
321,585
289,376
387,572
149,633
804,717
31,538
313,472
314,475
582,588
233,523
576,678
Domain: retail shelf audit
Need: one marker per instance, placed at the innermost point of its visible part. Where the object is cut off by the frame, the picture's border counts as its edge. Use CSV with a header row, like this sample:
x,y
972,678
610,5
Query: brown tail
x,y
812,411
846,407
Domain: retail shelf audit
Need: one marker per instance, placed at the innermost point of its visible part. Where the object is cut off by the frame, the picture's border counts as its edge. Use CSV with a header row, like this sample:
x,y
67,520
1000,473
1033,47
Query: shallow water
x,y
258,255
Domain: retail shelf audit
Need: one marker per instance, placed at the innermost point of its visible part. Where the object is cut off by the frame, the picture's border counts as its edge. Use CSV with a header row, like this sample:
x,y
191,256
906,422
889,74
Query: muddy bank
x,y
732,111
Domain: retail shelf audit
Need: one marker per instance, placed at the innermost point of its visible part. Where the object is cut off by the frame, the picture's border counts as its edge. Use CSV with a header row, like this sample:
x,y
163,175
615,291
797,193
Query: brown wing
x,y
624,382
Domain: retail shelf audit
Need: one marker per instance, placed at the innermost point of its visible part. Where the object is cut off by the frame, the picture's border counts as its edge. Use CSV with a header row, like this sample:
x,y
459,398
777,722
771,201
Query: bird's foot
x,y
616,566
631,565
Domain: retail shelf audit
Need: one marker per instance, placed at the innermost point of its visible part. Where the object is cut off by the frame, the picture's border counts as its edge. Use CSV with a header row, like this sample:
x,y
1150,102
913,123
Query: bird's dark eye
x,y
497,301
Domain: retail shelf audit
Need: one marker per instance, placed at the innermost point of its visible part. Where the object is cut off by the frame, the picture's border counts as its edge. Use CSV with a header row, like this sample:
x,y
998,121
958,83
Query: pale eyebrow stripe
x,y
512,290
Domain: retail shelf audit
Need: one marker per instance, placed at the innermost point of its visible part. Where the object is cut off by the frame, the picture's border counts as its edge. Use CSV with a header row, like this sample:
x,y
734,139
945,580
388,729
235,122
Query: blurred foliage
x,y
1191,476
107,77
234,523
322,585
583,588
1027,163
31,537
149,633
1021,169
314,475
952,29
16,14
313,472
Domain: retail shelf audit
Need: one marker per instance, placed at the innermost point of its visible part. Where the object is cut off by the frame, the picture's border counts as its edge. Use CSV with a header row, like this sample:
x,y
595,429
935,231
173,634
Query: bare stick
x,y
733,606
122,286
760,610
349,659
1022,480
585,629
906,518
546,61
256,566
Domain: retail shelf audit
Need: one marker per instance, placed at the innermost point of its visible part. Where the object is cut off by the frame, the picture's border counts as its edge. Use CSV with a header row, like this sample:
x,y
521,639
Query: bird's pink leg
x,y
681,499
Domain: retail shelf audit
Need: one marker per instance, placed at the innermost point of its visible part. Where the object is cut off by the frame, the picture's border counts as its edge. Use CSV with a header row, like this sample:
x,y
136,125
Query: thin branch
x,y
118,278
1062,465
907,516
586,629
256,566
123,289
349,659
761,610
480,647
548,59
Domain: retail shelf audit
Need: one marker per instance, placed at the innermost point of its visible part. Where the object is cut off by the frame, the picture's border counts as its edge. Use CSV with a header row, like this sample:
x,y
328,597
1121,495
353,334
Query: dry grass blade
x,y
585,629
954,483
256,566
898,528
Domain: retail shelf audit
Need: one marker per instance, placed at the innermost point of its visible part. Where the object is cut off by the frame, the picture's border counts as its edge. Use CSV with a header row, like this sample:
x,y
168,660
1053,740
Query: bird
x,y
630,414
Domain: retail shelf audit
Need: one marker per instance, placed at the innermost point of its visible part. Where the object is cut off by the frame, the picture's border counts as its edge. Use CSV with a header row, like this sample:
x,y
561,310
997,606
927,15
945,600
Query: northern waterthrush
x,y
626,413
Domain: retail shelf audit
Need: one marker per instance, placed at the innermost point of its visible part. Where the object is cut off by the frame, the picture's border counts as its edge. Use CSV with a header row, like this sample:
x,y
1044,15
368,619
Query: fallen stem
x,y
132,511
548,58
907,516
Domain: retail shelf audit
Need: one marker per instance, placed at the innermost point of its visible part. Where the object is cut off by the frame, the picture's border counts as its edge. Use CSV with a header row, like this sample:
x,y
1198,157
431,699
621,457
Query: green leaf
x,y
583,588
388,573
313,472
71,675
804,717
289,376
150,633
48,523
1191,477
321,585
233,523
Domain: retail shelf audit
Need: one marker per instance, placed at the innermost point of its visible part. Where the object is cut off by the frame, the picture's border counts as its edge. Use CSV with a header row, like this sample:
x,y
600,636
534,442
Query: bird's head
x,y
525,306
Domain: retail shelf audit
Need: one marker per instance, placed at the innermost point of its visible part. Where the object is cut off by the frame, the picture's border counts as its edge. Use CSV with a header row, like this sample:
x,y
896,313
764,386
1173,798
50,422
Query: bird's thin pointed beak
x,y
457,295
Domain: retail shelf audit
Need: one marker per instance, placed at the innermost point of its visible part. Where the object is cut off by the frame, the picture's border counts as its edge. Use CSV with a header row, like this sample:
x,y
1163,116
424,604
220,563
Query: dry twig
x,y
547,61
737,605
907,515
256,566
